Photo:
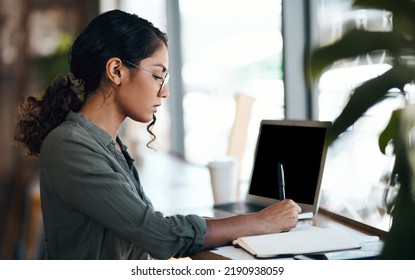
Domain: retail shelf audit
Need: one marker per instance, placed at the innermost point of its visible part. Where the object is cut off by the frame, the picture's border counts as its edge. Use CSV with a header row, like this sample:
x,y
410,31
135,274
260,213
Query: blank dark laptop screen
x,y
300,150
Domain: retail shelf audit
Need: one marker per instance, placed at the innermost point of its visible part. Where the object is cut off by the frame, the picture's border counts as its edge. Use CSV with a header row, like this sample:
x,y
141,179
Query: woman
x,y
92,202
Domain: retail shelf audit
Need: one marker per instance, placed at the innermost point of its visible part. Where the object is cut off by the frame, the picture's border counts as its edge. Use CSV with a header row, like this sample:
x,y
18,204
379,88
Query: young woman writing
x,y
93,204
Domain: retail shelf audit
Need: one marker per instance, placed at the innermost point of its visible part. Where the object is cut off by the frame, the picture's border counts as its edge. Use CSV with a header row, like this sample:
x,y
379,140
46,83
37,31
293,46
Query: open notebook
x,y
300,145
296,242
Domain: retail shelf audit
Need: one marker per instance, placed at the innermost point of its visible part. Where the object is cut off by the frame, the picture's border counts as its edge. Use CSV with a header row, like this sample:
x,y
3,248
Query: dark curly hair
x,y
111,34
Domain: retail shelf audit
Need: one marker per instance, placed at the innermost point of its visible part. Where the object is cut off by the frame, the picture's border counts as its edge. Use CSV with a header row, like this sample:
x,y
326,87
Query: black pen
x,y
281,181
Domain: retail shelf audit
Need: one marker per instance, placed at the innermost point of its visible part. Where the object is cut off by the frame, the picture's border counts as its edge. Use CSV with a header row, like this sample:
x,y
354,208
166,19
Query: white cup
x,y
223,176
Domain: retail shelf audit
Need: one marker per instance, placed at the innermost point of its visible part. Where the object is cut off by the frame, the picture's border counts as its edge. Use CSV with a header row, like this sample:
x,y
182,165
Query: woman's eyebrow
x,y
163,67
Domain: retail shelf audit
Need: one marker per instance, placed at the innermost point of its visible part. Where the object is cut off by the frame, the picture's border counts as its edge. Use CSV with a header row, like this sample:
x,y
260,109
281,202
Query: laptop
x,y
300,146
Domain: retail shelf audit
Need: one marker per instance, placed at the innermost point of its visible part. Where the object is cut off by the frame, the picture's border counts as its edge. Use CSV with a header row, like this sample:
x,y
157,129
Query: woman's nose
x,y
164,93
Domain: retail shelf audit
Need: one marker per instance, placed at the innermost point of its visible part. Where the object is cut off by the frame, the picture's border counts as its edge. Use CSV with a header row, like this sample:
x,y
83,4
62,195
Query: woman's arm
x,y
282,216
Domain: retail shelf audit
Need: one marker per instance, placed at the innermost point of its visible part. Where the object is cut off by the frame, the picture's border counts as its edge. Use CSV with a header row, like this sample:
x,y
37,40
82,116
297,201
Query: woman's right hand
x,y
281,216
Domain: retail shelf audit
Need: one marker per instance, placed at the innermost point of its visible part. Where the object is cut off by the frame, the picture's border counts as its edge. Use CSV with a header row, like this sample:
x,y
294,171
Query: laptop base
x,y
245,207
239,207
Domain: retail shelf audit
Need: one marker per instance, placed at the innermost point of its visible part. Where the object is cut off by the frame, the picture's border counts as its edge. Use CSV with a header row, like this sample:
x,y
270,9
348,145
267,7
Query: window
x,y
229,47
355,182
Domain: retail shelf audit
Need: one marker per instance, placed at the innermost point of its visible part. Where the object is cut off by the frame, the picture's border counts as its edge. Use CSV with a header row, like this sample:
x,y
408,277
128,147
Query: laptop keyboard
x,y
239,207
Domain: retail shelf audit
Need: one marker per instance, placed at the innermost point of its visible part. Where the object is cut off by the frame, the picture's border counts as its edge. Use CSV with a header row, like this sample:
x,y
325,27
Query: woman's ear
x,y
114,70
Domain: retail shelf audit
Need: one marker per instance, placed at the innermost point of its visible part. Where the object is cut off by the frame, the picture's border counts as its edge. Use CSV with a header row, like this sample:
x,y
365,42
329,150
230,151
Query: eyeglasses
x,y
164,80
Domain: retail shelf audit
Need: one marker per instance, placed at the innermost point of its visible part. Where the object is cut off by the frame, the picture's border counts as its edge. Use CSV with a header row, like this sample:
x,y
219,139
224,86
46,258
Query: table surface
x,y
322,219
170,181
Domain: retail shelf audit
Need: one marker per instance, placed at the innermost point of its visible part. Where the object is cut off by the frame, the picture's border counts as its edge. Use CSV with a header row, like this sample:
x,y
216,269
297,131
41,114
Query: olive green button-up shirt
x,y
94,206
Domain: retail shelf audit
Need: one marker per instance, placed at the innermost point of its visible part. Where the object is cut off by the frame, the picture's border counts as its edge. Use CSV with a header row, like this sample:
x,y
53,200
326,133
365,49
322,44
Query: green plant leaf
x,y
352,44
400,47
400,242
406,149
388,133
367,95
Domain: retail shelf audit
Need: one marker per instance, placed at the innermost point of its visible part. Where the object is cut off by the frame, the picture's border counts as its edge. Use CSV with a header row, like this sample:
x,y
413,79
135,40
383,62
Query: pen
x,y
281,181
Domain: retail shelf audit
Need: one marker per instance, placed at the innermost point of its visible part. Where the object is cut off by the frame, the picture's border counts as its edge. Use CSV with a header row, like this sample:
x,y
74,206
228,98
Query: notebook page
x,y
304,241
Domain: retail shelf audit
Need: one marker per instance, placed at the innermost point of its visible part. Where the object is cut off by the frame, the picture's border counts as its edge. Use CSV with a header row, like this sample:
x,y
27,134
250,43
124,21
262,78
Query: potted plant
x,y
399,47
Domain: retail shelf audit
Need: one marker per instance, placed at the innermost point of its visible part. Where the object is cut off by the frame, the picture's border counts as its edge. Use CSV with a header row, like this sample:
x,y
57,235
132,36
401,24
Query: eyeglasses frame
x,y
164,80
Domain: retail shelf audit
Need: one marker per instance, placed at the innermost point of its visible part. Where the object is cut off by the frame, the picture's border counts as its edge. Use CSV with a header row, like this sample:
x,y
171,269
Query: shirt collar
x,y
100,135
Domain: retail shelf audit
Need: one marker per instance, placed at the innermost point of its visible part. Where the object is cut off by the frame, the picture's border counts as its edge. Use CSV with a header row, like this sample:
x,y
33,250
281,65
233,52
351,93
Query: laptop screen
x,y
300,147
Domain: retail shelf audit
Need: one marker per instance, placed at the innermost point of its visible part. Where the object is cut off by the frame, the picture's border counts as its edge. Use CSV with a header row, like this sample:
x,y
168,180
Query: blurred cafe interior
x,y
230,60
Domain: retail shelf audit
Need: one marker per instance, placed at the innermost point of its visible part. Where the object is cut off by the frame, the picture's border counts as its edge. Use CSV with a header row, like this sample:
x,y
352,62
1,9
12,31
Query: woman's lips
x,y
155,107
